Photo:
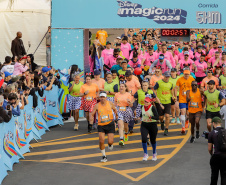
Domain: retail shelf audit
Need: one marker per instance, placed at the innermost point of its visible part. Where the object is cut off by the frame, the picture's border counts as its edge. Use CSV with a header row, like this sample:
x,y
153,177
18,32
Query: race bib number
x,y
122,108
89,98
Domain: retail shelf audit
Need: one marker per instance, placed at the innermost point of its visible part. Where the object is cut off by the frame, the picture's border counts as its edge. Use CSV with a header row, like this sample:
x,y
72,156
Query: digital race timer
x,y
175,34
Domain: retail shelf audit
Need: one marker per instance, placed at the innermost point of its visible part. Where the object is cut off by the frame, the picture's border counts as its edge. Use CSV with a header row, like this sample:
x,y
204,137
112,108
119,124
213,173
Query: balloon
x,y
138,71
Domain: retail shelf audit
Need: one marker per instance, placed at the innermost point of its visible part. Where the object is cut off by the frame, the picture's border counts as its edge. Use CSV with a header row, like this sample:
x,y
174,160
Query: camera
x,y
8,106
205,134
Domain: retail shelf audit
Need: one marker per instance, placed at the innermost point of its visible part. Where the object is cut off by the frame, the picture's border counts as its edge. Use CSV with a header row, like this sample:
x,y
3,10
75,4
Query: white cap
x,y
118,38
103,94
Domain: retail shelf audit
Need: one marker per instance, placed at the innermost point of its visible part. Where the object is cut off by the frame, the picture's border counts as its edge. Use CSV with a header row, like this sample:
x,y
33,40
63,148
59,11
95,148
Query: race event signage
x,y
138,14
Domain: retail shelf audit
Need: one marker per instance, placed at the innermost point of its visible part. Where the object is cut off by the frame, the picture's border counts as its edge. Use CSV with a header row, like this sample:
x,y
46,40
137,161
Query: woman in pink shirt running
x,y
201,68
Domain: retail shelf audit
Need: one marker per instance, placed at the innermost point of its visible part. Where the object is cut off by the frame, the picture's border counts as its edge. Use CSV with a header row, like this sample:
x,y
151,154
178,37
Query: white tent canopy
x,y
32,18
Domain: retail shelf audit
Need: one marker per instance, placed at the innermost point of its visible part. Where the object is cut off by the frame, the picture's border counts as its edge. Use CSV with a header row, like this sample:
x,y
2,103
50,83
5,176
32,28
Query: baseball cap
x,y
186,53
173,70
149,98
96,72
166,74
116,50
150,48
216,120
124,61
125,38
211,82
108,42
7,73
46,69
103,94
161,57
128,73
187,72
118,38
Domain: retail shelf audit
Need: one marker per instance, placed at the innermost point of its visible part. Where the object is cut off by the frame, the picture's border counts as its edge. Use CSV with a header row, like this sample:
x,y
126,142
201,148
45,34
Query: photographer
x,y
218,157
37,87
5,116
14,102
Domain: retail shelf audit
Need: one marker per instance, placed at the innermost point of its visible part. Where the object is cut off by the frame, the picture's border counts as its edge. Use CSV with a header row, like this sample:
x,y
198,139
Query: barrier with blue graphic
x,y
32,123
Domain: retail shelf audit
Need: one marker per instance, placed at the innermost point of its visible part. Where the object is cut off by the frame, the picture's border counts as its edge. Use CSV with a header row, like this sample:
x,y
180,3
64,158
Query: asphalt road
x,y
64,156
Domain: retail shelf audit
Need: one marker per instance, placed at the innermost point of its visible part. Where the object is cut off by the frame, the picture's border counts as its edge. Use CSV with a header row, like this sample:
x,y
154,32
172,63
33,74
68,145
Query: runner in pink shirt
x,y
181,55
125,47
201,68
185,62
199,52
175,57
135,62
214,49
214,61
223,59
111,60
107,52
167,55
150,57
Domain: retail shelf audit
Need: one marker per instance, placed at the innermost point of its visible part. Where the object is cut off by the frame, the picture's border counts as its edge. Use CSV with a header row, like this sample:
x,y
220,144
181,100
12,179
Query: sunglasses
x,y
194,84
157,71
210,72
219,47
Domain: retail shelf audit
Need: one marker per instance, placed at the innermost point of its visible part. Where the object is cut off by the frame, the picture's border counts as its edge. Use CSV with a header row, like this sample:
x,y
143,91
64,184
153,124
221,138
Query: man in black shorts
x,y
106,124
164,90
213,101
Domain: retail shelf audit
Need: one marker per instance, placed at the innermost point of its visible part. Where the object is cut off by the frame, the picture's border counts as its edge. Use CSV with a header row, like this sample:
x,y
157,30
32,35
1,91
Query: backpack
x,y
221,139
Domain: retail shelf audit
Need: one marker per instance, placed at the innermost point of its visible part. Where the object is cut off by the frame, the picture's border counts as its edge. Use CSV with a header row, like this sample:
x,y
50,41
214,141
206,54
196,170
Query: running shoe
x,y
197,135
145,158
148,142
110,147
162,125
186,124
178,120
183,130
104,159
172,120
131,131
126,138
154,157
166,132
192,140
76,127
89,128
121,143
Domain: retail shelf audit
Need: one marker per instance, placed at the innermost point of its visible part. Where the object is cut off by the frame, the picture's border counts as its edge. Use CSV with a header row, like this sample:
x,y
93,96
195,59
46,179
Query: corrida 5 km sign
x,y
138,14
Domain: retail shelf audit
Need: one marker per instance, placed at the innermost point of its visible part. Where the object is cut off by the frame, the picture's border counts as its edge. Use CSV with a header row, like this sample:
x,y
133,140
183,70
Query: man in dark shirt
x,y
17,46
5,115
218,159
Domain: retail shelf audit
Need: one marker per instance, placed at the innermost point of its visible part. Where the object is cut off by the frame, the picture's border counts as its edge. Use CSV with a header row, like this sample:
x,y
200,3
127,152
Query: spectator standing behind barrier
x,y
5,116
218,158
17,46
14,102
48,47
7,65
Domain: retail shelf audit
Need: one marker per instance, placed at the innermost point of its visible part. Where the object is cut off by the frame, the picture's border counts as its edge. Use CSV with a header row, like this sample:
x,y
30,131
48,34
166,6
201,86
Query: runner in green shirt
x,y
164,91
213,101
175,103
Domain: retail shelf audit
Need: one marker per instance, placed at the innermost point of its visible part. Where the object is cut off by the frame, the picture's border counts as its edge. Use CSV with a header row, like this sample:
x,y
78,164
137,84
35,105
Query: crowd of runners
x,y
146,80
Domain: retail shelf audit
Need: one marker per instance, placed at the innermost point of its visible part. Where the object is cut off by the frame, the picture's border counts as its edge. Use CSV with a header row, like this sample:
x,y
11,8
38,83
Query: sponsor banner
x,y
138,14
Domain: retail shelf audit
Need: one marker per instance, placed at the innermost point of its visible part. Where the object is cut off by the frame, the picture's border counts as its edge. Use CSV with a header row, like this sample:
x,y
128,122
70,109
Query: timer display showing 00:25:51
x,y
175,32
